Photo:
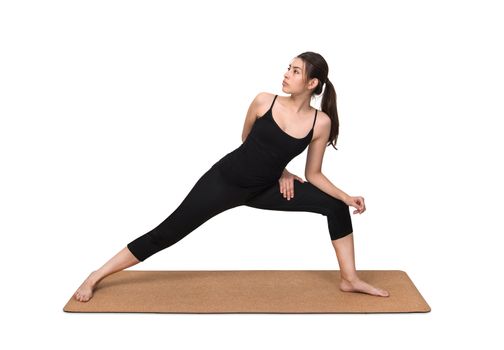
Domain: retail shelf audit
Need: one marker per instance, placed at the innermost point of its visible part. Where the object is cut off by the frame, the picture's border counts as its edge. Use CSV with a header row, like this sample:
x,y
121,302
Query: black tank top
x,y
261,159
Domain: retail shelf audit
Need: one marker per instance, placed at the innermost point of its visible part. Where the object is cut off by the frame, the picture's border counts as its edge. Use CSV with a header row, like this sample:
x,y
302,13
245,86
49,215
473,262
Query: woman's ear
x,y
313,83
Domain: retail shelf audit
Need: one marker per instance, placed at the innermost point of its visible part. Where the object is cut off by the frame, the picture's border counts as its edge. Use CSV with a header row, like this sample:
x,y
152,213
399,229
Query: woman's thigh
x,y
309,198
209,196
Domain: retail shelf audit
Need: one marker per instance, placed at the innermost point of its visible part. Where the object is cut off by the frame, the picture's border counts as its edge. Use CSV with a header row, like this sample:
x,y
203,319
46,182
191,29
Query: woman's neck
x,y
299,103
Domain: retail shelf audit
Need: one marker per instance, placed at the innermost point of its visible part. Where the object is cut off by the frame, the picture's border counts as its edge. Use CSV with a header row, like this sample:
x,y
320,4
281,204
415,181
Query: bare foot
x,y
360,286
85,291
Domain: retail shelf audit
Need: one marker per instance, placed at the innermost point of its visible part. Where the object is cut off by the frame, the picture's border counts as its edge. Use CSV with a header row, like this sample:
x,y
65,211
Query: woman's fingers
x,y
358,202
287,188
283,189
354,203
289,192
362,205
287,185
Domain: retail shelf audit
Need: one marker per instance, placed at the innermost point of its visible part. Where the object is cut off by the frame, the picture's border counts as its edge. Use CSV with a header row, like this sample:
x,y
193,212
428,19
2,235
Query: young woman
x,y
254,174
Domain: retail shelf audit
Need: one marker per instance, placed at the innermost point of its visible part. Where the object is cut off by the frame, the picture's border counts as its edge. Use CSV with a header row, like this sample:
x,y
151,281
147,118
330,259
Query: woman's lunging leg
x,y
309,198
350,282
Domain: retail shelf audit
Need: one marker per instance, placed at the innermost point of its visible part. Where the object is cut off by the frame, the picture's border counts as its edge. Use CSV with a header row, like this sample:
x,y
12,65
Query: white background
x,y
111,110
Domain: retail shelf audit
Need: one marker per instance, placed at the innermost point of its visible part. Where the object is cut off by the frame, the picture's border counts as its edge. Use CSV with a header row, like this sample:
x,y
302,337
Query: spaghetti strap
x,y
314,119
272,103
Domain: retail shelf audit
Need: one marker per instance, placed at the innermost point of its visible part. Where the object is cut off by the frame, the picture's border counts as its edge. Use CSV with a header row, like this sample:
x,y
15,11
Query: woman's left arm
x,y
320,181
313,168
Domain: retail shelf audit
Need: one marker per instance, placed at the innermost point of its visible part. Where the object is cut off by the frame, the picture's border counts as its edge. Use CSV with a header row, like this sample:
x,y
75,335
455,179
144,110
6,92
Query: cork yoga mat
x,y
248,291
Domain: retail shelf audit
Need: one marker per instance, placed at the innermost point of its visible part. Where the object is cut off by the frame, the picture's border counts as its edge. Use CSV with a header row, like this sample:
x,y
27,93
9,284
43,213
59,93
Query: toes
x,y
383,293
79,296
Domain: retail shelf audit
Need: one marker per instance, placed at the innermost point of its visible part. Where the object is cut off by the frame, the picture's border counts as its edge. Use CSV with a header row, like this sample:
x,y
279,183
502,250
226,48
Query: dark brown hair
x,y
316,67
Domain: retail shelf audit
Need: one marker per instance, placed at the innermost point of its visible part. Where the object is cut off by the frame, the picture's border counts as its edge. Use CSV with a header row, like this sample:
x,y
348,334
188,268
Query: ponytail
x,y
328,106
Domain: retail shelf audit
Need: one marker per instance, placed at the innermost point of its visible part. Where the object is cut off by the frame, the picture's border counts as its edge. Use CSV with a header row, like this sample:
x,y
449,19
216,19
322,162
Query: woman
x,y
254,174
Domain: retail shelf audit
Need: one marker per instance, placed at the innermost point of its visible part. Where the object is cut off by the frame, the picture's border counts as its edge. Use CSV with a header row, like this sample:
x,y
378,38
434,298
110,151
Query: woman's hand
x,y
286,182
356,202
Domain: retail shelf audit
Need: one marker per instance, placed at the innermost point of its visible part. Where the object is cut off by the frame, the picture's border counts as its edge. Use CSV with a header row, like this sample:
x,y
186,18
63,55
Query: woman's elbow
x,y
310,176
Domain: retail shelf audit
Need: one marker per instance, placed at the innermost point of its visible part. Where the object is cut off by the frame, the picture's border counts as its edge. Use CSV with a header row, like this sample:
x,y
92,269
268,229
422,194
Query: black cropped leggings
x,y
212,194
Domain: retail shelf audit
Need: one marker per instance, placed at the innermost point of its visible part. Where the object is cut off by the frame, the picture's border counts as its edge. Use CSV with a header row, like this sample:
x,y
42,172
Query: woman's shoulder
x,y
264,97
262,103
323,115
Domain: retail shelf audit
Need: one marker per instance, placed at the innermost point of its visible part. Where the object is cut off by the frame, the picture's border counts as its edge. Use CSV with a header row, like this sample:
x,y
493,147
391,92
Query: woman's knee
x,y
339,208
339,205
339,220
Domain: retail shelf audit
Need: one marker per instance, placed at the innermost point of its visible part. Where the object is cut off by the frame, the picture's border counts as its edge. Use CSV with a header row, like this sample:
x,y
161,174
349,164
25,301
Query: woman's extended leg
x,y
309,198
210,196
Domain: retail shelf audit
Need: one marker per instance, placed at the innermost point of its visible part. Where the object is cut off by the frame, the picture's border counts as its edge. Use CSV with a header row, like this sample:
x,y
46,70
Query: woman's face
x,y
294,77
